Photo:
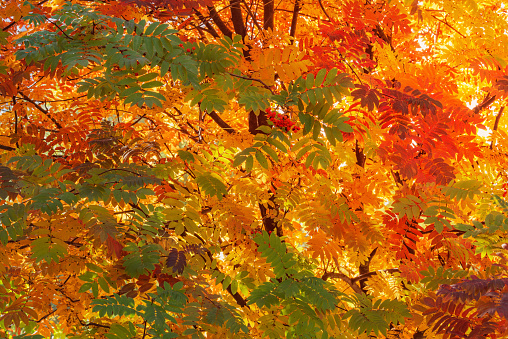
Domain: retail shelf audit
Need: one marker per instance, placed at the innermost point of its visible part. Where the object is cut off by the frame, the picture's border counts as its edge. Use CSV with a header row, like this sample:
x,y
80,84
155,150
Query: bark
x,y
209,27
45,112
365,269
360,156
269,223
257,120
485,103
370,274
224,125
237,17
343,277
7,148
496,123
294,20
268,14
218,21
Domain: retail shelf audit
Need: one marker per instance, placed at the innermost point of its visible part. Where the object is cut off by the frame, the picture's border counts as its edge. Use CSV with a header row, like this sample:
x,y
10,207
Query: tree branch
x,y
294,20
269,222
360,156
370,274
498,117
343,277
14,22
255,121
324,10
9,26
144,330
496,123
252,16
364,269
218,21
237,17
299,14
397,178
92,324
39,107
381,34
204,20
224,125
44,317
447,24
268,14
7,148
238,298
485,103
258,80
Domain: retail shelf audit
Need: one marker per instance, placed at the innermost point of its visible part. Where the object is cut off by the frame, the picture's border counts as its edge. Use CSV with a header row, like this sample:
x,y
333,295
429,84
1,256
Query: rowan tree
x,y
253,169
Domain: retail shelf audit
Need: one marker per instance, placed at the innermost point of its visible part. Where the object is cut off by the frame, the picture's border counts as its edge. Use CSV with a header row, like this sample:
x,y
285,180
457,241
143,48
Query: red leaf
x,y
114,247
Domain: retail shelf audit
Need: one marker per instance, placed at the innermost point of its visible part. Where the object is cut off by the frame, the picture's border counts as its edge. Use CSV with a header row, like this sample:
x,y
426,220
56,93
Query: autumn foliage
x,y
253,169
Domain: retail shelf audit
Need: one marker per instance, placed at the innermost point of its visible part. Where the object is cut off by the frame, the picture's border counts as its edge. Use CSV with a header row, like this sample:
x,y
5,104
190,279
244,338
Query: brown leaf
x,y
127,288
176,260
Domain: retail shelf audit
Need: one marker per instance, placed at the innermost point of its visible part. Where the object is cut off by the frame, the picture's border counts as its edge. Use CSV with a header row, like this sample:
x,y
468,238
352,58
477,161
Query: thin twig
x,y
61,30
138,120
253,17
324,10
15,119
204,20
258,80
144,330
201,117
92,324
120,169
351,68
299,14
123,212
181,129
44,317
447,24
58,100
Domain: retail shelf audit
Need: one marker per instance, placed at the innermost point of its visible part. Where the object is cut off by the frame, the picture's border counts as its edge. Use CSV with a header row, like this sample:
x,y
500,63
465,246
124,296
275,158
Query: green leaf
x,y
48,249
320,77
249,163
347,128
268,150
147,77
277,144
141,259
234,286
152,84
261,159
239,160
103,284
211,185
309,81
